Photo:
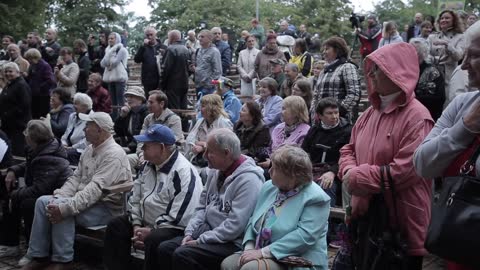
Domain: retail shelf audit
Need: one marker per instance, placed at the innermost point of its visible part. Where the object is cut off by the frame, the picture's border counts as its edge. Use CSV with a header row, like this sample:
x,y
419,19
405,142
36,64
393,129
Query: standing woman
x,y
390,34
41,80
246,66
302,57
15,102
447,45
339,79
67,71
115,74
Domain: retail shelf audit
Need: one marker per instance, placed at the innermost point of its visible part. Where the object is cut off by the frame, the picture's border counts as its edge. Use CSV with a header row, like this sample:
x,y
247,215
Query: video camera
x,y
356,20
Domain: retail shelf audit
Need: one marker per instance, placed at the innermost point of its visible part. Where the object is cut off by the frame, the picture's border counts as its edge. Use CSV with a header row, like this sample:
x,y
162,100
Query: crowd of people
x,y
250,180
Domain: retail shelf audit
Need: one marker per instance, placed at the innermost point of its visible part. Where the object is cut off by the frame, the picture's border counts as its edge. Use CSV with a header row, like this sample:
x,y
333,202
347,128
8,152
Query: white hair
x,y
83,99
421,46
227,140
11,65
472,33
150,28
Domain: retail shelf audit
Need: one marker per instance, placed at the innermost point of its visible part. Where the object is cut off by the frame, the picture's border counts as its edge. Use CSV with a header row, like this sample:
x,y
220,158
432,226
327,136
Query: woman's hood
x,y
399,62
118,38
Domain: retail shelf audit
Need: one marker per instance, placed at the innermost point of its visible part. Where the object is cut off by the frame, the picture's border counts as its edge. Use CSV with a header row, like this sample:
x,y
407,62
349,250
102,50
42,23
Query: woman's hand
x,y
250,255
199,147
326,180
265,164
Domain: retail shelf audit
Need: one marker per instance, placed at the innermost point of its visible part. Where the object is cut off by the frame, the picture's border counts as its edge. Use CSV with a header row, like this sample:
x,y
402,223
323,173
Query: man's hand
x,y
250,255
187,239
53,213
10,180
326,180
139,235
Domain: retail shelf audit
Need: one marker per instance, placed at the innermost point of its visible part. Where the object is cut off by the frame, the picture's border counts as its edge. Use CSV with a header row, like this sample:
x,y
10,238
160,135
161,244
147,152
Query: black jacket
x,y
146,55
7,157
254,141
96,55
175,69
15,105
121,126
335,138
45,170
51,57
430,89
84,66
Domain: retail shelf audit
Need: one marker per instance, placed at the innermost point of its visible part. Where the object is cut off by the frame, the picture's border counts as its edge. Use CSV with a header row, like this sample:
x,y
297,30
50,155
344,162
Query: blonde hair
x,y
33,54
293,161
214,106
297,107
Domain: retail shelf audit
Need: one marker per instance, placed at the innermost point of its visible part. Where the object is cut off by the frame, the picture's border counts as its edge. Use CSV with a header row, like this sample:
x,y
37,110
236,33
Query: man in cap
x,y
231,103
278,73
80,200
164,199
132,114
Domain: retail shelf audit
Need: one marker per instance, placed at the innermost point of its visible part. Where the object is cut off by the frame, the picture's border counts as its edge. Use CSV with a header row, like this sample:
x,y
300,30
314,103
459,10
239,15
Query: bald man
x,y
174,79
51,49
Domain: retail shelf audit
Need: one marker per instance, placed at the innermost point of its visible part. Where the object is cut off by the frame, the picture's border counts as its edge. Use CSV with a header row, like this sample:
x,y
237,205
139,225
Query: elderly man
x,y
164,199
6,40
174,79
292,75
80,200
99,95
148,55
157,104
51,50
192,42
278,74
224,48
285,31
16,56
226,204
207,64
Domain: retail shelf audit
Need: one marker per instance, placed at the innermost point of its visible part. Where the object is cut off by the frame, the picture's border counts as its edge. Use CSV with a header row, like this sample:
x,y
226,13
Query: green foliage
x,y
22,16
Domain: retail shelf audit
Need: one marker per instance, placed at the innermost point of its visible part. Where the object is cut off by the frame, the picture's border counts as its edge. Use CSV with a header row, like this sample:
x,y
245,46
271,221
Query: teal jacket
x,y
300,229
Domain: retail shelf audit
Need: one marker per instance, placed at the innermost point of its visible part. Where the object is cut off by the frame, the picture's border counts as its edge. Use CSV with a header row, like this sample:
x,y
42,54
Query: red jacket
x,y
390,137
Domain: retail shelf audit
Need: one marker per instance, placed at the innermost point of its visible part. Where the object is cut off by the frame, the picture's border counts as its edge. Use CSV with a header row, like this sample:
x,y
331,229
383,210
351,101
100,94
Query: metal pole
x,y
257,15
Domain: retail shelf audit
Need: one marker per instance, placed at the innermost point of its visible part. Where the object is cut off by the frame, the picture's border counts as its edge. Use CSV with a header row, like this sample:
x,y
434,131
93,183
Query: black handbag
x,y
376,245
453,233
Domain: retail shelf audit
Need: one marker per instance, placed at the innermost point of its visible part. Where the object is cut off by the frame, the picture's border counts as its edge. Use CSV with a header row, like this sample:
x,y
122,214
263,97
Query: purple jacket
x,y
295,138
41,78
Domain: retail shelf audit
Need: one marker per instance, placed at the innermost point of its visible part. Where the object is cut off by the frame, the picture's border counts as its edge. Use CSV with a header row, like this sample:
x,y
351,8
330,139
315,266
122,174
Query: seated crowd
x,y
253,181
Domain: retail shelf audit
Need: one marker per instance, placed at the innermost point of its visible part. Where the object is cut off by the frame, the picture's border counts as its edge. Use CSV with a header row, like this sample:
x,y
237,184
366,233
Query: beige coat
x,y
246,68
447,57
67,77
99,167
22,64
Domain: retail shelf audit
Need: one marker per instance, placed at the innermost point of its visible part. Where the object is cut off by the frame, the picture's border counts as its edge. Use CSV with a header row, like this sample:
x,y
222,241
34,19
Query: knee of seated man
x,y
183,252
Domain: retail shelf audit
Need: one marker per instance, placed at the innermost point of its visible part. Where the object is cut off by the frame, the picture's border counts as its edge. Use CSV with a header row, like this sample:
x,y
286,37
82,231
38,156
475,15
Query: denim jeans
x,y
116,90
60,237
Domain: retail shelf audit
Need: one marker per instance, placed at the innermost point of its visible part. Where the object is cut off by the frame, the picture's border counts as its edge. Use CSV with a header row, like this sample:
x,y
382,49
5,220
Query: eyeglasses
x,y
373,71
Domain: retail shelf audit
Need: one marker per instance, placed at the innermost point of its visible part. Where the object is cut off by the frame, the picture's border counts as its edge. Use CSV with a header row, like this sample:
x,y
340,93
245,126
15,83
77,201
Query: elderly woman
x,y
262,64
67,71
74,137
270,102
430,90
15,104
115,64
290,218
62,108
447,45
129,122
454,138
302,57
390,34
246,67
386,136
303,88
3,81
214,116
41,80
16,56
253,133
45,169
339,79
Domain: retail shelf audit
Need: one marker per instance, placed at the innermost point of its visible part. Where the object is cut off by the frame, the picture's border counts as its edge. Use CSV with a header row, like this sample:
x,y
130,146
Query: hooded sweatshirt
x,y
222,215
390,137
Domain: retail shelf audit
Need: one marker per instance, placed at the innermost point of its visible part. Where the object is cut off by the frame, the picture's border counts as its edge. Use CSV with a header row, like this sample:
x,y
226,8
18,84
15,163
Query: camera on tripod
x,y
356,20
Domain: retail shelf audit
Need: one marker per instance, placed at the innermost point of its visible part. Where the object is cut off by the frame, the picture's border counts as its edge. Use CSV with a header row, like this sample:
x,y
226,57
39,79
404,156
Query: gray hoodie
x,y
222,216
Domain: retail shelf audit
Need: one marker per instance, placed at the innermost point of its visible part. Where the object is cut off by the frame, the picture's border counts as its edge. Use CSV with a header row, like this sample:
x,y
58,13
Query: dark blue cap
x,y
157,133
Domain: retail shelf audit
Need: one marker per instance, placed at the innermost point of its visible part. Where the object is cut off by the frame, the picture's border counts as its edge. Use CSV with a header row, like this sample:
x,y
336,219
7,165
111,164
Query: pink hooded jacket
x,y
390,137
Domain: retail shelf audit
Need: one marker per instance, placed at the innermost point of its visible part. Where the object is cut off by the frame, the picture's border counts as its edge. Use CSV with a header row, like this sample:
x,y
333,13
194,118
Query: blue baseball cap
x,y
157,133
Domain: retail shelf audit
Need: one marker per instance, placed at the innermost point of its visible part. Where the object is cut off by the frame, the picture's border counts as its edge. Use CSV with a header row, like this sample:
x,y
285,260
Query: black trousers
x,y
10,225
40,106
177,99
174,256
414,262
17,141
116,252
149,86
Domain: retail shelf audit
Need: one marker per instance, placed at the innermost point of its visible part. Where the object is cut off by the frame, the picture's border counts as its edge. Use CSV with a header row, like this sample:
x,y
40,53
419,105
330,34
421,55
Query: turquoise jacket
x,y
301,227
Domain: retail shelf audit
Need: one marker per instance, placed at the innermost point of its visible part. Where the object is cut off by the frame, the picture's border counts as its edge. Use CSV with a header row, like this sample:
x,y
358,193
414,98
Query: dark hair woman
x,y
61,108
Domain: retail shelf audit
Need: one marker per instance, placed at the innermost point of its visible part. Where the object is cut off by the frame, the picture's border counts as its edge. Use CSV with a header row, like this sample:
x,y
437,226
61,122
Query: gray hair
x,y
150,28
39,131
190,32
11,65
216,28
293,67
83,99
421,46
227,140
174,35
293,161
